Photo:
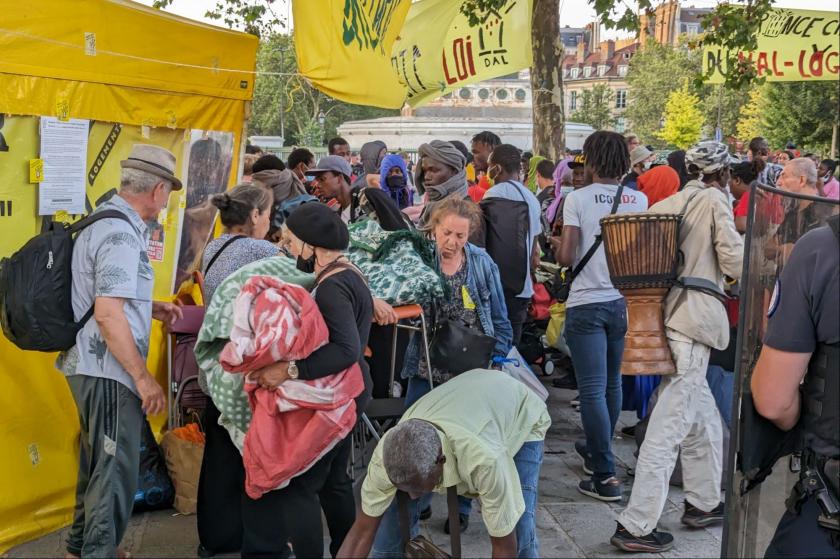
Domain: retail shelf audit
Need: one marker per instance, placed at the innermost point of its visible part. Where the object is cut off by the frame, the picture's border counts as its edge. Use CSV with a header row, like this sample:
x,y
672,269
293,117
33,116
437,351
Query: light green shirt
x,y
483,418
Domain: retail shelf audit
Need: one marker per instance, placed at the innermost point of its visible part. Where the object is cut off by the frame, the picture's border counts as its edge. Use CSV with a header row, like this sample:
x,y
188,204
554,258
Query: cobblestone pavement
x,y
569,524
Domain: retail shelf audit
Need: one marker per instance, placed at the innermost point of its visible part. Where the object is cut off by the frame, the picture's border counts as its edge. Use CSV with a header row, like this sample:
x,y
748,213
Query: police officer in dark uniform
x,y
803,342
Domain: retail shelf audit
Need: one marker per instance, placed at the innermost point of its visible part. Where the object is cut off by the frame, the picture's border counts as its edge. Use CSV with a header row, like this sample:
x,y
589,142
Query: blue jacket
x,y
485,288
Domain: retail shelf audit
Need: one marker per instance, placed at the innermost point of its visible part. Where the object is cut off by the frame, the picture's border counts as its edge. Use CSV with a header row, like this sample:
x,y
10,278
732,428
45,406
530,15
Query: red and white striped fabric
x,y
293,426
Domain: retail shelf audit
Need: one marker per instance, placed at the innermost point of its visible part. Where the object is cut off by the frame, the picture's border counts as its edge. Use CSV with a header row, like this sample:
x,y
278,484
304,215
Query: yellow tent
x,y
135,75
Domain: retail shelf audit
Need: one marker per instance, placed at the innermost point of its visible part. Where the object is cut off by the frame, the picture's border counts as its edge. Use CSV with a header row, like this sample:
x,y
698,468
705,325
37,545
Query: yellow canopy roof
x,y
119,42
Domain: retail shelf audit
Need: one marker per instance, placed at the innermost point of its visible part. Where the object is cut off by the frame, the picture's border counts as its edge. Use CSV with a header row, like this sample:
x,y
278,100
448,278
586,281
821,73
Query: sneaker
x,y
604,490
566,381
575,403
655,542
463,520
426,513
696,518
580,448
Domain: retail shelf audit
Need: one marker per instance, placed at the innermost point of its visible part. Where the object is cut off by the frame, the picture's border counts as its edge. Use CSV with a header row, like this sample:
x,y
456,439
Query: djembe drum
x,y
641,251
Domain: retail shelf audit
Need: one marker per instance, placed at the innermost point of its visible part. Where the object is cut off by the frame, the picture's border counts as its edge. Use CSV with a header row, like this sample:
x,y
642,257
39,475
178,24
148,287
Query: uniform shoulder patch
x,y
775,298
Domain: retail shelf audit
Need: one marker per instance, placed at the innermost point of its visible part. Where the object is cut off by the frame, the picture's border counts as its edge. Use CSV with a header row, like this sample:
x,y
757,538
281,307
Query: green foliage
x,y
595,104
751,122
727,103
802,112
655,71
735,27
256,17
683,119
301,103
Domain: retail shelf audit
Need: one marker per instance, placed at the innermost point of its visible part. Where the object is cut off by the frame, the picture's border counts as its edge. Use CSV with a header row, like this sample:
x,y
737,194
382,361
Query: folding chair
x,y
382,413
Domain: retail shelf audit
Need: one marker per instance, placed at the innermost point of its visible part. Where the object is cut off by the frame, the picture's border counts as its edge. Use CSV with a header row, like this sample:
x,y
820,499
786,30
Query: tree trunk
x,y
547,80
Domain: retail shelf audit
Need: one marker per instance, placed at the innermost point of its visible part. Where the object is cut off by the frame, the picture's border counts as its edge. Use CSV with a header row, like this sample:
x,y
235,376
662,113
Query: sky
x,y
574,13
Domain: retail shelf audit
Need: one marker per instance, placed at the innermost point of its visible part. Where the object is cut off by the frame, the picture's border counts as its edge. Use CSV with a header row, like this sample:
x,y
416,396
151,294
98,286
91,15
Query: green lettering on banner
x,y
367,21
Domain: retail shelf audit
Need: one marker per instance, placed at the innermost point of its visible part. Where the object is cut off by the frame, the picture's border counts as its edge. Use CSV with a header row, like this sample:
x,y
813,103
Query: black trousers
x,y
229,520
799,535
517,308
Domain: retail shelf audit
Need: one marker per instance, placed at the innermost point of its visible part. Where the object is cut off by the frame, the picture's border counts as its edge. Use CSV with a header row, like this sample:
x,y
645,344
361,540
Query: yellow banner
x,y
343,47
793,45
438,50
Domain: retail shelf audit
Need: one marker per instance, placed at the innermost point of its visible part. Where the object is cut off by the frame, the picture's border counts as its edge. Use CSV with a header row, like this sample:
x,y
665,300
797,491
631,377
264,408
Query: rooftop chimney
x,y
581,51
607,50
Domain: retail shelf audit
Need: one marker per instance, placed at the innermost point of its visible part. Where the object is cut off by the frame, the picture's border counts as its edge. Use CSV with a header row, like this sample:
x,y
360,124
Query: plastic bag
x,y
514,365
554,330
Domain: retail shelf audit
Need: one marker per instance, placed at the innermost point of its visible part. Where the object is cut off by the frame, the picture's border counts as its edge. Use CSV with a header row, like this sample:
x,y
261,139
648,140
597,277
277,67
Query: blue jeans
x,y
417,388
595,333
528,460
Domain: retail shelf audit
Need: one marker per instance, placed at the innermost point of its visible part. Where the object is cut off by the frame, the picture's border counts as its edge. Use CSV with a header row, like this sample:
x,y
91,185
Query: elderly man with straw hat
x,y
106,369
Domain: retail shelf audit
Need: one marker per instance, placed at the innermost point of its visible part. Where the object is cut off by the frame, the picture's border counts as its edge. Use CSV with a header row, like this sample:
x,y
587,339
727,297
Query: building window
x,y
602,70
587,71
501,94
484,93
621,99
521,94
573,101
622,70
465,93
575,73
620,125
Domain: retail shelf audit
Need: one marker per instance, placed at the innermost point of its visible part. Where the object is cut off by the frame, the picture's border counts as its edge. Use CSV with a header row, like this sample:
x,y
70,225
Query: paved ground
x,y
570,524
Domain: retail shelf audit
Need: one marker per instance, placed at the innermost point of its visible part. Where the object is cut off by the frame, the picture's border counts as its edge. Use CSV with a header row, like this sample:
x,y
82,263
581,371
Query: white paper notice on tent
x,y
64,152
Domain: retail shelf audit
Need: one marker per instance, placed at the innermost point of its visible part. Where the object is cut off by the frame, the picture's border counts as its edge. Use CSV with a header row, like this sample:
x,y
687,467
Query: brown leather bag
x,y
420,547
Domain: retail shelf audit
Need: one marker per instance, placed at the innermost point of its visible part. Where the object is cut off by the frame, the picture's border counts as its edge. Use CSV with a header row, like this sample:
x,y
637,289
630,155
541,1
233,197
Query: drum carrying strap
x,y
698,284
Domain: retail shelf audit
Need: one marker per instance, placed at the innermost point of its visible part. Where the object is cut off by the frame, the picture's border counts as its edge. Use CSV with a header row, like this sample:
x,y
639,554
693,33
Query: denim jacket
x,y
485,287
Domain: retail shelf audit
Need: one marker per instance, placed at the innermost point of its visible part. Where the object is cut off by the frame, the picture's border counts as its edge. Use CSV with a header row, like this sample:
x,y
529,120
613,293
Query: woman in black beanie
x,y
317,238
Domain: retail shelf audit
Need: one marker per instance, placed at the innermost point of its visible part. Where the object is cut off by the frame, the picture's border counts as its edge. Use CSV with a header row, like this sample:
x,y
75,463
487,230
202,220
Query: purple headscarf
x,y
560,171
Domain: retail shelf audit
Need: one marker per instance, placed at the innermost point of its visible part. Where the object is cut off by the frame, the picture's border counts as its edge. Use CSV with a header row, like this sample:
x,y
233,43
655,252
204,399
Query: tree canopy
x,y
595,109
683,120
302,104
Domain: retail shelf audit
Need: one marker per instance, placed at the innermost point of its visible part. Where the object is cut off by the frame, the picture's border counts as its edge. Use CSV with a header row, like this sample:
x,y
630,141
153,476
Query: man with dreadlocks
x,y
596,313
686,417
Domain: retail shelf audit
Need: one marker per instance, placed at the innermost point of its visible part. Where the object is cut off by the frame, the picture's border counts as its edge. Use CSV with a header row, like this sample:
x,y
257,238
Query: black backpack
x,y
505,237
35,285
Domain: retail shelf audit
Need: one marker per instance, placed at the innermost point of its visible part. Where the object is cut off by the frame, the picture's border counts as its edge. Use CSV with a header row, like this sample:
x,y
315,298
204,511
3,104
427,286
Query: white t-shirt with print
x,y
584,208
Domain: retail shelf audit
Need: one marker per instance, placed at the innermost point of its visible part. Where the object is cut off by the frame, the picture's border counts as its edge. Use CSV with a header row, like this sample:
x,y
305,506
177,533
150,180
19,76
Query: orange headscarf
x,y
659,183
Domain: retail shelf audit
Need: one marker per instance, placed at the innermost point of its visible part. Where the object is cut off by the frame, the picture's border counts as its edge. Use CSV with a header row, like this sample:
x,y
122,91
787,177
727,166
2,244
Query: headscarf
x,y
393,160
445,154
659,183
560,171
369,154
532,172
676,159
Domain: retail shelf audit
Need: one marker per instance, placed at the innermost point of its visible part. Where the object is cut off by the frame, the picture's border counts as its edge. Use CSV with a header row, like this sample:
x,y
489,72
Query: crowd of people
x,y
486,219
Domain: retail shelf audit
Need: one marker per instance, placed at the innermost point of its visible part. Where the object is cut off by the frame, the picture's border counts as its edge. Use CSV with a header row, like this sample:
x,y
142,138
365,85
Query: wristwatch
x,y
293,370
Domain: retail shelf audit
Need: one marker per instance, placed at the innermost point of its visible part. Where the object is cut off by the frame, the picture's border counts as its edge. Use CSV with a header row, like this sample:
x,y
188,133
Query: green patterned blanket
x,y
225,388
395,263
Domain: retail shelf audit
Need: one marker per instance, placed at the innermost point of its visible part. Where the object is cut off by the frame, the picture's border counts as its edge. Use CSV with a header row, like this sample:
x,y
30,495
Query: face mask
x,y
564,190
397,182
306,265
491,174
827,177
309,178
647,165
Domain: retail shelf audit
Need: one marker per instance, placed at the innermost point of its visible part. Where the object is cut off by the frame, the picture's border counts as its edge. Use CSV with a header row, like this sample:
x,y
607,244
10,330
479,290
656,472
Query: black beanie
x,y
318,226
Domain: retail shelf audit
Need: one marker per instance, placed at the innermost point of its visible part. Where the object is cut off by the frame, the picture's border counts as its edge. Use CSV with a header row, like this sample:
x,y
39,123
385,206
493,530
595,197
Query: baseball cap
x,y
334,164
639,154
578,161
